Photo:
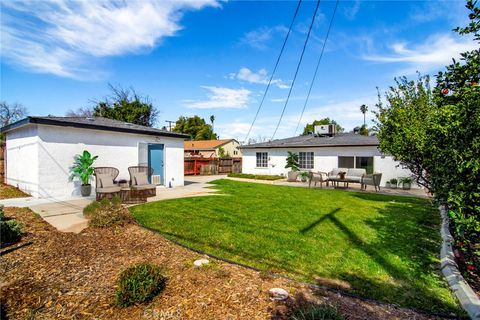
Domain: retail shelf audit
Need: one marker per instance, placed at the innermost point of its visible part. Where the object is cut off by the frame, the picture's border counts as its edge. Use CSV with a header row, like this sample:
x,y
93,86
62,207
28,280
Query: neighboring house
x,y
321,153
40,152
210,148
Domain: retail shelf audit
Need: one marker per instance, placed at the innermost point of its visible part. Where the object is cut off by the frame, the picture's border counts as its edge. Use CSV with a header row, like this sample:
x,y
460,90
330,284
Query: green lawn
x,y
385,247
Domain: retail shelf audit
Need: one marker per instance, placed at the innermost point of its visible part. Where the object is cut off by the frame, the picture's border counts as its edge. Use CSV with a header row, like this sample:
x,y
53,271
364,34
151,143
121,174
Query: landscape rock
x,y
278,294
200,262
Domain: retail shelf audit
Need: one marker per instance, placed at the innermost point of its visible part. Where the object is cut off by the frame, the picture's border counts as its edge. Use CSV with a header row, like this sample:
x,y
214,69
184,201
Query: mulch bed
x,y
72,276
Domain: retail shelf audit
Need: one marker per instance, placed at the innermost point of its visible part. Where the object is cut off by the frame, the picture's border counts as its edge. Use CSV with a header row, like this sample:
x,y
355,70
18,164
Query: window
x,y
262,159
356,162
305,160
235,152
364,163
346,162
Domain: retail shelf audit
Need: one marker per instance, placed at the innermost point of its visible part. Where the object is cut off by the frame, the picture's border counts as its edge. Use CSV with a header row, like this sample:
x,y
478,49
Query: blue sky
x,y
214,58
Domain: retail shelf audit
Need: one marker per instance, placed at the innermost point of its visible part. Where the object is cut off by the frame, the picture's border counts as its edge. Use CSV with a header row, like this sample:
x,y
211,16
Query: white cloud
x,y
259,77
351,11
436,52
260,37
222,98
63,37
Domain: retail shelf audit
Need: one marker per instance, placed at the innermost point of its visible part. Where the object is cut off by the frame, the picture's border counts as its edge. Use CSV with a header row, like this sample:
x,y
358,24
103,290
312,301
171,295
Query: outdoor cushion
x,y
336,171
105,180
353,178
144,187
141,178
108,190
356,172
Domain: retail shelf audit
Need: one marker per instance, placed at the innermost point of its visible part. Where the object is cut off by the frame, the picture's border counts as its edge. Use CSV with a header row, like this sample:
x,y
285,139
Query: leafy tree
x,y
364,130
310,127
126,105
11,112
402,124
436,134
364,109
196,127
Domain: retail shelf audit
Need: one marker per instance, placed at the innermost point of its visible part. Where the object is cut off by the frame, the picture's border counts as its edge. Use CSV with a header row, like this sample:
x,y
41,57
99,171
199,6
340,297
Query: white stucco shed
x,y
40,152
322,153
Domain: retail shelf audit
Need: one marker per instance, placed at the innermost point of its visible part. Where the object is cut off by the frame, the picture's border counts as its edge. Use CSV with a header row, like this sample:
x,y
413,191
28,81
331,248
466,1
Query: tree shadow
x,y
320,220
410,235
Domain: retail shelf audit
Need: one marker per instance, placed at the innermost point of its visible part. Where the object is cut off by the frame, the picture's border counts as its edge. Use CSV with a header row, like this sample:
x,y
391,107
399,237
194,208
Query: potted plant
x,y
292,163
387,184
304,176
406,183
84,170
393,183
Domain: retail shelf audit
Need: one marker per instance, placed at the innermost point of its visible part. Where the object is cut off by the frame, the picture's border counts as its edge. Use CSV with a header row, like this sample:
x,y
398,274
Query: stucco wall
x,y
22,159
325,159
40,157
230,147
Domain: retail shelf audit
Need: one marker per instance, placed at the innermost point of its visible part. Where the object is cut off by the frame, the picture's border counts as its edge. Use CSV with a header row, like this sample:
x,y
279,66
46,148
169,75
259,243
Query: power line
x,y
274,69
298,67
318,64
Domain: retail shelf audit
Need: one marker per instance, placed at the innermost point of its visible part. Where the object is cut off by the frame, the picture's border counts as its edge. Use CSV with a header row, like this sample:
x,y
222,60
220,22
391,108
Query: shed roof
x,y
339,140
205,144
94,123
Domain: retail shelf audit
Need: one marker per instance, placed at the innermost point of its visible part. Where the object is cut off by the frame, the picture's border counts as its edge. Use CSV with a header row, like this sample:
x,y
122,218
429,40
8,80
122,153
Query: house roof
x,y
95,123
205,144
339,140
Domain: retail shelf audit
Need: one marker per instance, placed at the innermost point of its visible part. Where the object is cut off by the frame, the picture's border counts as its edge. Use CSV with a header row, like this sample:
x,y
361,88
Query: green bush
x,y
107,213
10,230
255,176
139,283
316,312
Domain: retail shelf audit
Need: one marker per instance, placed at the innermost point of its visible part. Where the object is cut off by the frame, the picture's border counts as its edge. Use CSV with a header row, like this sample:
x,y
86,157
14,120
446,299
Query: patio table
x,y
132,196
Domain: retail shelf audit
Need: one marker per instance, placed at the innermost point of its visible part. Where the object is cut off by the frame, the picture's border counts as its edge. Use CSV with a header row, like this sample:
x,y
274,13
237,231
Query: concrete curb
x,y
466,296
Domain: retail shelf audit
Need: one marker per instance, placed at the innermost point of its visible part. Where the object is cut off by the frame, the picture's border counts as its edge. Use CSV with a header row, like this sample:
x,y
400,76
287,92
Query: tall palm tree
x,y
364,109
212,120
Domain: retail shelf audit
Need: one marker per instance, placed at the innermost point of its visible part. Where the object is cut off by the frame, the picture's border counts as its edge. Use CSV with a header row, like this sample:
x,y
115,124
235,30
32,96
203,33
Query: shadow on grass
x,y
409,238
317,222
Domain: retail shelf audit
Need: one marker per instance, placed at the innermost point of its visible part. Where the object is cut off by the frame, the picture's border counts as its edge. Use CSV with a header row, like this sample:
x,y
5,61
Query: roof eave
x,y
33,120
311,146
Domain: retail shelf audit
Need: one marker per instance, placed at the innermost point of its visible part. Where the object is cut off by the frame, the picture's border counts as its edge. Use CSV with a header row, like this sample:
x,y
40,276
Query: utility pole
x,y
169,124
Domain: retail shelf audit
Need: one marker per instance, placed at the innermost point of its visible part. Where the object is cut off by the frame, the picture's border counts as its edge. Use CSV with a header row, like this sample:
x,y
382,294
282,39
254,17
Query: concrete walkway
x,y
66,214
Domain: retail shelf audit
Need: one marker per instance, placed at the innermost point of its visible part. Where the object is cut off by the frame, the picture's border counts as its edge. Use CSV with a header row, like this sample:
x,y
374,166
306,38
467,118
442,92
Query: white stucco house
x,y
40,152
321,153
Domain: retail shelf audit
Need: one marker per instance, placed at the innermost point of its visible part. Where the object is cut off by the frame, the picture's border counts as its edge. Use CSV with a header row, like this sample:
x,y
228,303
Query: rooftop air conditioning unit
x,y
325,130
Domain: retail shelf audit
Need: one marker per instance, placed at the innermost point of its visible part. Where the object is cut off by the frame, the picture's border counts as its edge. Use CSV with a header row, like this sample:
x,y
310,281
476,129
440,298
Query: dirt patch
x,y
72,276
9,192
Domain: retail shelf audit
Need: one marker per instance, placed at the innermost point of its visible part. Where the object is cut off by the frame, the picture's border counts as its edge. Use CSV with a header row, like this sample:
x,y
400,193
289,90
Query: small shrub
x,y
255,176
316,312
139,283
10,230
107,213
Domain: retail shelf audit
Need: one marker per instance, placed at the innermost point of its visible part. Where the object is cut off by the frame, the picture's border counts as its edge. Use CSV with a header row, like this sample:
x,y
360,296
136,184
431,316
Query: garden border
x,y
469,301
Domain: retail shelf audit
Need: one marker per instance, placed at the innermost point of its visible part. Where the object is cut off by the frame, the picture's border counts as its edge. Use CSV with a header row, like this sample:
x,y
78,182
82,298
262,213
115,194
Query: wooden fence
x,y
209,166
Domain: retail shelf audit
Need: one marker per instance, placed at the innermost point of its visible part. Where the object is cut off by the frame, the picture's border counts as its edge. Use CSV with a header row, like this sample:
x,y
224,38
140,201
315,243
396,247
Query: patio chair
x,y
139,180
105,186
372,180
315,177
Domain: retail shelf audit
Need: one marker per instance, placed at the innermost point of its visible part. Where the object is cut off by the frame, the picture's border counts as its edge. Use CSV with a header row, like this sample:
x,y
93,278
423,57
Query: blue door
x,y
156,161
